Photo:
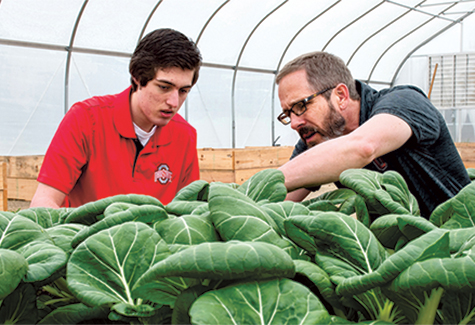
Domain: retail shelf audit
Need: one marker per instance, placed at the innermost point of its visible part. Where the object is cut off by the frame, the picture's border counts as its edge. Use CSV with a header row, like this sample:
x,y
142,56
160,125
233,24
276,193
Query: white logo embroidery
x,y
163,174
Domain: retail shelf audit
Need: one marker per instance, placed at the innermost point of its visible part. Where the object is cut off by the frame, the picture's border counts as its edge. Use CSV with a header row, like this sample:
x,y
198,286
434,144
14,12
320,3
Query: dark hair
x,y
163,48
324,70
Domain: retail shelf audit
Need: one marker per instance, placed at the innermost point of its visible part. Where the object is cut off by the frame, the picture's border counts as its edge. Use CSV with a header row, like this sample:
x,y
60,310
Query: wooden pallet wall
x,y
222,165
238,165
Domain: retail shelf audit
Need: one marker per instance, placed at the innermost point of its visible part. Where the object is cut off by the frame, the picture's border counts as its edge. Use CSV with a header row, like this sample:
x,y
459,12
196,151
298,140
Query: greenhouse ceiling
x,y
56,52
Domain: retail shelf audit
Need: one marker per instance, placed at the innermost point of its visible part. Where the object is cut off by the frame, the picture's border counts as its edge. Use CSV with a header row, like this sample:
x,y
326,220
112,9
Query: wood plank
x,y
24,166
224,176
216,159
270,157
21,188
467,152
243,175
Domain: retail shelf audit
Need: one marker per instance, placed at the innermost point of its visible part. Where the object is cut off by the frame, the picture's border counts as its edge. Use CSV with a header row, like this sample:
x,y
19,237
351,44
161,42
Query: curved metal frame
x,y
282,58
401,38
458,21
447,6
233,87
144,27
68,59
351,23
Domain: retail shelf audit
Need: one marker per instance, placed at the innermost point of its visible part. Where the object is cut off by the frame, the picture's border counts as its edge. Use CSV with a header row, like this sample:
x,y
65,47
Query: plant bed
x,y
223,253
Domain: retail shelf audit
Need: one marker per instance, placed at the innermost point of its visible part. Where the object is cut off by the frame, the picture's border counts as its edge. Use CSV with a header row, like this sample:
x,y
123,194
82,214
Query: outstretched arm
x,y
47,196
325,162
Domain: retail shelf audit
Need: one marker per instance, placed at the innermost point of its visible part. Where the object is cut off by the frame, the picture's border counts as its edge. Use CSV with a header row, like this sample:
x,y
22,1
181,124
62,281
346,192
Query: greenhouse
x,y
275,196
55,53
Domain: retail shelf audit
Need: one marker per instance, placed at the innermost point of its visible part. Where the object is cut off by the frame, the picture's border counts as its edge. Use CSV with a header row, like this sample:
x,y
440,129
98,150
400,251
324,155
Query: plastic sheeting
x,y
55,52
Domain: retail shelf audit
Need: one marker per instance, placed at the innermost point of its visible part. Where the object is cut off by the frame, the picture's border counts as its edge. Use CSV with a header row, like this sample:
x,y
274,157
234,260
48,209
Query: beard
x,y
334,123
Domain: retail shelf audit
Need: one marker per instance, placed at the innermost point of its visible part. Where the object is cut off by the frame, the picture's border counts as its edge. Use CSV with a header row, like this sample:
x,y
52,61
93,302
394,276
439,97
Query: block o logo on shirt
x,y
163,174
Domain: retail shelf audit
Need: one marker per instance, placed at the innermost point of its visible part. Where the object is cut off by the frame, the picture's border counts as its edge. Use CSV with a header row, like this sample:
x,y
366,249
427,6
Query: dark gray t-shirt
x,y
429,161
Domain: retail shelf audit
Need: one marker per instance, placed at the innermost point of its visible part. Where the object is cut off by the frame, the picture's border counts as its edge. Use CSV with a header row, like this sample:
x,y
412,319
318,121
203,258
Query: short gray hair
x,y
324,70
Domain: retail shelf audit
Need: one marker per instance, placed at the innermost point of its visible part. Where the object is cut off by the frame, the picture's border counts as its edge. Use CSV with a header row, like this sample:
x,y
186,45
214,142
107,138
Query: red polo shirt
x,y
92,155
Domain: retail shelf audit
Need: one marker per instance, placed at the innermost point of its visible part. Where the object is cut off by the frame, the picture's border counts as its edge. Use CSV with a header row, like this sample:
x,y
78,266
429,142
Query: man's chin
x,y
310,143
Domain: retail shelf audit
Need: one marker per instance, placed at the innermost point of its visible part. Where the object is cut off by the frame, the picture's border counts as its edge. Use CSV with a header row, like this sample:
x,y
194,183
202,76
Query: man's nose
x,y
296,121
173,99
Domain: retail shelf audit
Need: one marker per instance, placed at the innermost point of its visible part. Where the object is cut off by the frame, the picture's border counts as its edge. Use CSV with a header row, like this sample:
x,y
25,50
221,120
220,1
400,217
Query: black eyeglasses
x,y
299,107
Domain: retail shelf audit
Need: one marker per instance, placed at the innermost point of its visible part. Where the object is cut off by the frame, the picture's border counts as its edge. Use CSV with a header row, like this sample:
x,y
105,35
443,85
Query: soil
x,y
15,205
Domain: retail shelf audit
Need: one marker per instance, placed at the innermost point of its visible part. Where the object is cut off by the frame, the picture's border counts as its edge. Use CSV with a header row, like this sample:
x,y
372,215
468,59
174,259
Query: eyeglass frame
x,y
304,102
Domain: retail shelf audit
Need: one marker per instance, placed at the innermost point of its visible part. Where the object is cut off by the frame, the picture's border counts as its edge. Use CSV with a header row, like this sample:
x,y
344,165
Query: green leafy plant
x,y
239,254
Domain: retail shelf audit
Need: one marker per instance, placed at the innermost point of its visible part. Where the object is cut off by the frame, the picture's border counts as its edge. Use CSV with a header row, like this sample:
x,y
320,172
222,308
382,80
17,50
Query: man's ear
x,y
342,96
136,82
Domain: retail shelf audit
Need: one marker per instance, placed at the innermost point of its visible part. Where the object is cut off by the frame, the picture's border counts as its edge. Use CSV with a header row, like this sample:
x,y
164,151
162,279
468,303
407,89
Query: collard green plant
x,y
187,230
13,268
267,185
146,213
384,193
260,302
92,212
105,267
457,212
222,253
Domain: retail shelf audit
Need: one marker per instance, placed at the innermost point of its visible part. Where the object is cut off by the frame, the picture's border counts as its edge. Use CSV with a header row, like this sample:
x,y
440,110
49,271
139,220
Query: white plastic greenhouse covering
x,y
56,52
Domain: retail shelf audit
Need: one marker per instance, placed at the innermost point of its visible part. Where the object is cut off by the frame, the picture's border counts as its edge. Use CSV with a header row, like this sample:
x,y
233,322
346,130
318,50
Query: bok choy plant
x,y
240,254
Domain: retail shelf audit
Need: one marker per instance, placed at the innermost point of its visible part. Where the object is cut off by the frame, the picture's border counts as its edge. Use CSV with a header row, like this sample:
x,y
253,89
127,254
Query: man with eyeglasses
x,y
344,123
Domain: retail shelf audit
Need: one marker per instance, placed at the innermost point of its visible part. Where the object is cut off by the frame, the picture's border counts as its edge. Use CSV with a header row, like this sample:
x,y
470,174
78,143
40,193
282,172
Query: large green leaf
x,y
224,261
337,197
434,244
91,212
75,314
13,268
184,301
20,306
145,213
195,191
225,201
344,237
16,231
383,193
267,185
426,281
63,234
45,217
321,280
187,230
29,239
457,212
386,230
104,268
282,210
180,208
451,273
44,259
279,301
237,217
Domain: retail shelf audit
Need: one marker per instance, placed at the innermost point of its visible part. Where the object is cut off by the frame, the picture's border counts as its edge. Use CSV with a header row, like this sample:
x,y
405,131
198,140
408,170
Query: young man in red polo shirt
x,y
132,142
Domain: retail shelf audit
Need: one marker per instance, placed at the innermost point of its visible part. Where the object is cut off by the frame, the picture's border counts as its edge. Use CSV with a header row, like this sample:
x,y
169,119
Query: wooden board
x,y
467,152
216,159
21,188
270,157
24,166
224,176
